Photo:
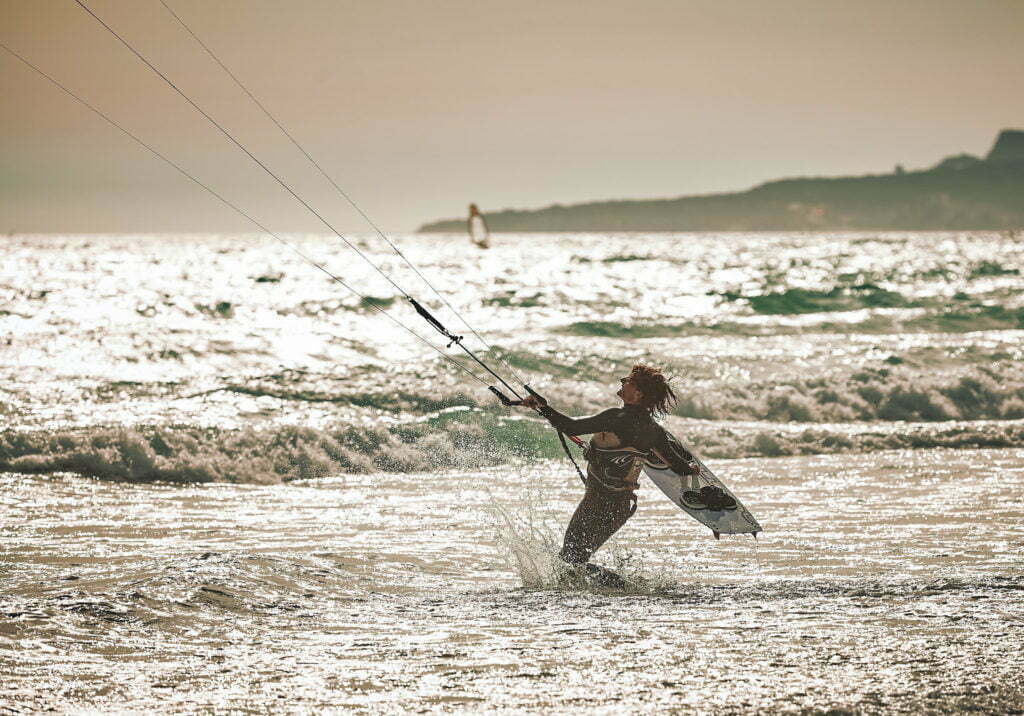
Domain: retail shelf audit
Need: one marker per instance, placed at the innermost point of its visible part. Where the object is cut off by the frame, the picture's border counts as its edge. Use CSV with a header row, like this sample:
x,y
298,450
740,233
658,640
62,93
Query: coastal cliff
x,y
960,192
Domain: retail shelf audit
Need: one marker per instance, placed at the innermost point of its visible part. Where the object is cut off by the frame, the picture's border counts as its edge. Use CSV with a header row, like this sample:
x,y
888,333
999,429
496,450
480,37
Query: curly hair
x,y
658,397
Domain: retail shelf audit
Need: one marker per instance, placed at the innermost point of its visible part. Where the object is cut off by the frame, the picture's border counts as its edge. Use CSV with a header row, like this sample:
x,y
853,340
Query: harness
x,y
616,470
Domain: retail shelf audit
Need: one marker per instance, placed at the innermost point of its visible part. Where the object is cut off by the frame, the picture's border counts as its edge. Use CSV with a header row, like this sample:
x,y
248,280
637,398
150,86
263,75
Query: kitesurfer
x,y
623,438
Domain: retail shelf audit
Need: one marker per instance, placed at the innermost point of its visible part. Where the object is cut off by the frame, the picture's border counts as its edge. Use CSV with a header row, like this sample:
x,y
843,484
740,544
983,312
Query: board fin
x,y
717,534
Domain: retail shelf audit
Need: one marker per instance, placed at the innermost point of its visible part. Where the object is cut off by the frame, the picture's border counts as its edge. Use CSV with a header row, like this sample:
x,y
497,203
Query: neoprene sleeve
x,y
633,426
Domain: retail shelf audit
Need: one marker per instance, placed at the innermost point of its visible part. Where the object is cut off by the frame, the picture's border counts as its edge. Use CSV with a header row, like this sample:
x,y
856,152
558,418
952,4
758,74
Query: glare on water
x,y
388,543
879,583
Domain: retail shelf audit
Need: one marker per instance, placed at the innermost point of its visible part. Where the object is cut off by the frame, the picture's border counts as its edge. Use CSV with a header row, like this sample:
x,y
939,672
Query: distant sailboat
x,y
479,234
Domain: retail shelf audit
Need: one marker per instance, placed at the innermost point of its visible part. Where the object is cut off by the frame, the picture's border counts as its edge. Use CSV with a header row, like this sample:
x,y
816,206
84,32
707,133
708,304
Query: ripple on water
x,y
866,592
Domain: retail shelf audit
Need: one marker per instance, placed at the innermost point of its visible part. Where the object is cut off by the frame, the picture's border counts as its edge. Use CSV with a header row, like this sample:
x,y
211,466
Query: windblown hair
x,y
658,395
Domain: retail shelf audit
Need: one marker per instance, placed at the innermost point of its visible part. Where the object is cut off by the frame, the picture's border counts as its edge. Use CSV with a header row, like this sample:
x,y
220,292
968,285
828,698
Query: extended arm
x,y
600,423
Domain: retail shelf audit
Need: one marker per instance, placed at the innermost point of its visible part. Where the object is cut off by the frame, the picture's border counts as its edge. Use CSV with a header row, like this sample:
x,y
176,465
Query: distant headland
x,y
960,192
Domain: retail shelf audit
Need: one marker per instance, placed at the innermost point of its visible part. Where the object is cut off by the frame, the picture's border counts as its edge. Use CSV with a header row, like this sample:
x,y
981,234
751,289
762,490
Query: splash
x,y
527,541
529,544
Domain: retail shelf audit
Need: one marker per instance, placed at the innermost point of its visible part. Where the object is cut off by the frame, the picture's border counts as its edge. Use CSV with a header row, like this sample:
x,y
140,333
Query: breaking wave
x,y
276,454
840,298
877,394
963,319
452,440
788,344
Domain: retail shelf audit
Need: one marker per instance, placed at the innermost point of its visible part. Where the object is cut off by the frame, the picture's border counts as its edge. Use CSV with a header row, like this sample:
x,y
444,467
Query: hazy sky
x,y
417,108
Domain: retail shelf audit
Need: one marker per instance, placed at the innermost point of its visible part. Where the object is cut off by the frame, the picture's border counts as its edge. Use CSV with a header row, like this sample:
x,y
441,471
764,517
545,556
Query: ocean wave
x,y
969,318
616,258
890,394
326,307
220,309
516,299
616,329
839,298
930,383
178,595
992,268
447,440
395,401
776,441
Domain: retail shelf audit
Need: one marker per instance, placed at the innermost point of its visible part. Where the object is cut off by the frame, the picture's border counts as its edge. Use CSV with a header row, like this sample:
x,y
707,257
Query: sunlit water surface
x,y
885,583
395,548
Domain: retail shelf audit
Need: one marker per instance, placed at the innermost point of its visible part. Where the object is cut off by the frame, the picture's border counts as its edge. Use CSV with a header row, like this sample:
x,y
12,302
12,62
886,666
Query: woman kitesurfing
x,y
623,440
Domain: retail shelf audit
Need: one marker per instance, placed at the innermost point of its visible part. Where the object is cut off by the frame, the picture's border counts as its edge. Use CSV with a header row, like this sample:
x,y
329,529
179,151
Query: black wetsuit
x,y
612,473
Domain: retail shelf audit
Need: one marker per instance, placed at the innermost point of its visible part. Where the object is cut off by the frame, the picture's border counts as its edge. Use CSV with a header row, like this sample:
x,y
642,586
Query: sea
x,y
230,485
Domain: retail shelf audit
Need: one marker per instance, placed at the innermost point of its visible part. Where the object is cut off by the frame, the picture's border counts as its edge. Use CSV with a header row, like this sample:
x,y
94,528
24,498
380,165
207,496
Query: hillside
x,y
960,192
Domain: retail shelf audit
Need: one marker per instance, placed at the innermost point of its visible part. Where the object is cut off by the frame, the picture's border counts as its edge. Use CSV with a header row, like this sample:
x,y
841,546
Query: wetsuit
x,y
612,472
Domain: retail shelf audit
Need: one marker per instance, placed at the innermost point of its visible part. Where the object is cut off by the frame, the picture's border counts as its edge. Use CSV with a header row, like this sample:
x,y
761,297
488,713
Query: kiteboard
x,y
721,522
